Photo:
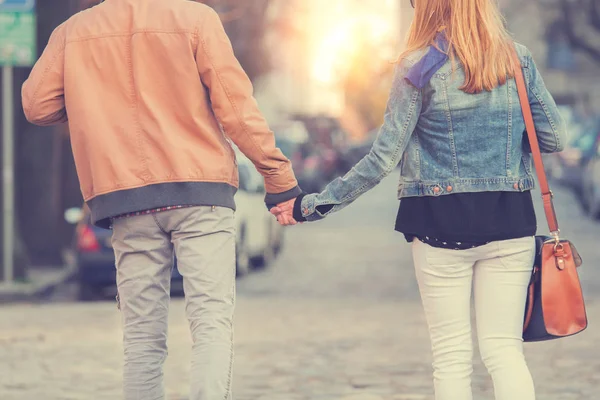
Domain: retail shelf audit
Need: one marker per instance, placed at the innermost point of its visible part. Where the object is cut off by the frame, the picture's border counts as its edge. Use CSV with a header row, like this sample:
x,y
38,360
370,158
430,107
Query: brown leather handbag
x,y
555,307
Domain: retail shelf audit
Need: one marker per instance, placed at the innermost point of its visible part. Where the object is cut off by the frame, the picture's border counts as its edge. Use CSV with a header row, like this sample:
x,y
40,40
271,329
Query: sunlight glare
x,y
342,41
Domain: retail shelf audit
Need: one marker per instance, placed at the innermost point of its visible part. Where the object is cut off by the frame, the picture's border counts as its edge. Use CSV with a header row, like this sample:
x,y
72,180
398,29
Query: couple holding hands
x,y
150,88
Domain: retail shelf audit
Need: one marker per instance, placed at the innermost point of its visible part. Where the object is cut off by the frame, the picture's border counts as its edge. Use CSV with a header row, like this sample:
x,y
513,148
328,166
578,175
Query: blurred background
x,y
322,71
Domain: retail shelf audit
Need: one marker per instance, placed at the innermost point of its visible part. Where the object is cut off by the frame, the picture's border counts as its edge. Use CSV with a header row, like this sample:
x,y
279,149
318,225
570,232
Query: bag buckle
x,y
556,236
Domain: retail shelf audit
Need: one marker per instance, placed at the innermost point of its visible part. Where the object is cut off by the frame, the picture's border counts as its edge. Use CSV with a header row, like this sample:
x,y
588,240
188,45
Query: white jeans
x,y
499,273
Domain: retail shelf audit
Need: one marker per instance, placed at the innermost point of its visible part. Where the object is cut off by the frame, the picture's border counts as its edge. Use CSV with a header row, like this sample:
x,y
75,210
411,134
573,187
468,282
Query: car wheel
x,y
264,259
242,256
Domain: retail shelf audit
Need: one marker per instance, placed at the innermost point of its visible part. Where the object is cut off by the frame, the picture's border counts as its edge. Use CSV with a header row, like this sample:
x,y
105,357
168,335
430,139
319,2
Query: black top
x,y
467,220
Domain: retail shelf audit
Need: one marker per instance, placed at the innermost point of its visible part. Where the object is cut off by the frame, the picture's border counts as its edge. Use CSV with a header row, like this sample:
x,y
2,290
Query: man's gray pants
x,y
203,239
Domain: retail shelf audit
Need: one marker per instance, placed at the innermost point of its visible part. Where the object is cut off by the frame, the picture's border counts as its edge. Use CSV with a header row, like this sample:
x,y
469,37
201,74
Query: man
x,y
146,86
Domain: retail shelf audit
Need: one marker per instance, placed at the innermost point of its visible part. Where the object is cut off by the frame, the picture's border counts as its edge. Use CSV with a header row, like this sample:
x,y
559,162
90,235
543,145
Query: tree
x,y
246,23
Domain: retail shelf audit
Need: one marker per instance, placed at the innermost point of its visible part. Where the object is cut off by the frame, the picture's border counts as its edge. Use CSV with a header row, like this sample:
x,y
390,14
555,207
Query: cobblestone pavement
x,y
336,318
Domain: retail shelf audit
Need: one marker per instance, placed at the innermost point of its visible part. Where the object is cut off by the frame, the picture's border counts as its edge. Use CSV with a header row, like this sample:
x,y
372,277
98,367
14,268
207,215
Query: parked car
x,y
91,256
259,239
259,235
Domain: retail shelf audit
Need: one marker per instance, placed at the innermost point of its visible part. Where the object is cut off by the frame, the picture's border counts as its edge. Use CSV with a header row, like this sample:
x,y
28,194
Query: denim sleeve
x,y
401,116
550,126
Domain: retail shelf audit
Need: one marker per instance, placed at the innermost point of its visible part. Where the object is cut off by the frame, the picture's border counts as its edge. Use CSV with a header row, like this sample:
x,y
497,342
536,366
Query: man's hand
x,y
285,213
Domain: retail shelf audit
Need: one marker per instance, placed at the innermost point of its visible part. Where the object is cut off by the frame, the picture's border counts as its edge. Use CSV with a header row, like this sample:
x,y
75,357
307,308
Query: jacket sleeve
x,y
550,126
43,93
401,117
231,94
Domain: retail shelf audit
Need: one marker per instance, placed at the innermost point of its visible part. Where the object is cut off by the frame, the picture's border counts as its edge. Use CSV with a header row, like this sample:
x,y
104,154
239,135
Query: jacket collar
x,y
421,73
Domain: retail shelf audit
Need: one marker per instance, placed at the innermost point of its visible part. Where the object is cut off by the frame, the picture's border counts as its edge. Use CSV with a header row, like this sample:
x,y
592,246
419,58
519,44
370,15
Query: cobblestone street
x,y
337,317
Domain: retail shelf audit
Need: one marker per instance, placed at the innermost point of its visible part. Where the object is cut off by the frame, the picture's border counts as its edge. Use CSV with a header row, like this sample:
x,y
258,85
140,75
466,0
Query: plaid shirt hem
x,y
151,211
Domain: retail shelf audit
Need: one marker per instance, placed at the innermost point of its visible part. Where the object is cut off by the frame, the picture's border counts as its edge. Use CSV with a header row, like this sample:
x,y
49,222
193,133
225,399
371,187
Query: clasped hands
x,y
285,213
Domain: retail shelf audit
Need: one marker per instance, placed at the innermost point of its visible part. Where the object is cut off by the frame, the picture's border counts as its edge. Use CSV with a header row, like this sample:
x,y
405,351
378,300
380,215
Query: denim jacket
x,y
447,141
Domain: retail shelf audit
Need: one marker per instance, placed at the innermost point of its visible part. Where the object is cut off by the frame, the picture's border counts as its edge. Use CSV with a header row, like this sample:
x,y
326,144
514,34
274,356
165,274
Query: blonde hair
x,y
476,35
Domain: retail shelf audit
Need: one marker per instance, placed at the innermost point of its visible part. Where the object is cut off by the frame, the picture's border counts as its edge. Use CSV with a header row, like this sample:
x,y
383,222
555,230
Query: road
x,y
337,317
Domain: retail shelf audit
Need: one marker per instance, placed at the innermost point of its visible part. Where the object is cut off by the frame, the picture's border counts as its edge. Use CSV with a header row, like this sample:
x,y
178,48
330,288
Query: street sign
x,y
17,33
17,5
17,48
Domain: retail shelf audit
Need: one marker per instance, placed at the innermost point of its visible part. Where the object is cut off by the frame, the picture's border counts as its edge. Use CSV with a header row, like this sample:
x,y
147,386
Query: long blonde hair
x,y
476,35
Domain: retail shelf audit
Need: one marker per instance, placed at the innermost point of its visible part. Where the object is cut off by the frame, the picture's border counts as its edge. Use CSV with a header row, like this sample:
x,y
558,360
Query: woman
x,y
454,124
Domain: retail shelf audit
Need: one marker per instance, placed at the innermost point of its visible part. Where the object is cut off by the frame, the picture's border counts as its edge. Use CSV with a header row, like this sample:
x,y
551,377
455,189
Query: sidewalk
x,y
42,281
286,349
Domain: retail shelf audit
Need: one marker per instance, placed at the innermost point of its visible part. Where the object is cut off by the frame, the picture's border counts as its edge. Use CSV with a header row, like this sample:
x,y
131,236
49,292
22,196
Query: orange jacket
x,y
148,87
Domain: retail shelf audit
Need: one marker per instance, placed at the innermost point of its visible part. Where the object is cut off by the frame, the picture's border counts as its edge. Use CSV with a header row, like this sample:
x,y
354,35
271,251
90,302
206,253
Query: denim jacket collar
x,y
422,72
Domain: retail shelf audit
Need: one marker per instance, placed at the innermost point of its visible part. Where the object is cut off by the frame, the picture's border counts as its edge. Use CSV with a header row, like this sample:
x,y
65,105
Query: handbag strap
x,y
547,195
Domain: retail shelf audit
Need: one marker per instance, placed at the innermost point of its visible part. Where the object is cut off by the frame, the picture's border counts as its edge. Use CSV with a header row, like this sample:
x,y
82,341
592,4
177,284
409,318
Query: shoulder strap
x,y
547,194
